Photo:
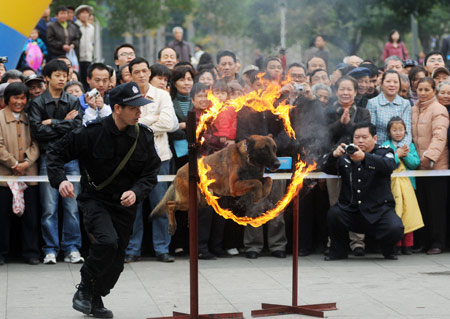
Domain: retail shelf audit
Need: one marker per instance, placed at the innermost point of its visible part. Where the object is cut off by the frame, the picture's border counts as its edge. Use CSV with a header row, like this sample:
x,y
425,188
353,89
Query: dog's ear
x,y
270,135
250,143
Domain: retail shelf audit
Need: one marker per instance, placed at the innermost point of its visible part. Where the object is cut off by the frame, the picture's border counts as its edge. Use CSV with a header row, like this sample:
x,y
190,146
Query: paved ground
x,y
370,287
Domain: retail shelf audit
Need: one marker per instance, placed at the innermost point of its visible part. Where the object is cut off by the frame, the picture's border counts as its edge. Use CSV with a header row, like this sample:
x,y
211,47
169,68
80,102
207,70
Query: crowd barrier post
x,y
315,310
193,231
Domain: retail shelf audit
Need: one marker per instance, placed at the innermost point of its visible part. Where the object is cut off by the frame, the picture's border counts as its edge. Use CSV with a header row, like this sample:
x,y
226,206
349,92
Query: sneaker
x,y
359,252
50,259
74,258
233,251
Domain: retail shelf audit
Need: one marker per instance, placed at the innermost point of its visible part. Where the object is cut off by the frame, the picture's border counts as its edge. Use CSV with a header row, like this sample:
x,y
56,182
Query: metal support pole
x,y
415,36
295,205
193,213
283,24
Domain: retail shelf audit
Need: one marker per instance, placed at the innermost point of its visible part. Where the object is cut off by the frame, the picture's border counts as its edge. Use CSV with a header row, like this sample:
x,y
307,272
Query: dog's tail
x,y
161,208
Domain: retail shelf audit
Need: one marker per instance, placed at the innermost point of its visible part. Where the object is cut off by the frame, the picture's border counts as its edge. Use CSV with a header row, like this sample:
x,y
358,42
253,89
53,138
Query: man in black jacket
x,y
366,204
62,35
120,167
52,115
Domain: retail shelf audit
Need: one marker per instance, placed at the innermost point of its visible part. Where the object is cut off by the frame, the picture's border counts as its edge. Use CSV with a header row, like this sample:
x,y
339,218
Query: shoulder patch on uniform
x,y
390,155
385,146
146,127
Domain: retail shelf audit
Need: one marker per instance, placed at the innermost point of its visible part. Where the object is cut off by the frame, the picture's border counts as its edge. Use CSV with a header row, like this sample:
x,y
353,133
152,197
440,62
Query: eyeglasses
x,y
127,54
432,60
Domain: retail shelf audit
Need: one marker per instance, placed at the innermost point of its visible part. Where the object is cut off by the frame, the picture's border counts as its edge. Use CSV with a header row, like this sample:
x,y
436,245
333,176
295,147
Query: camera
x,y
299,88
93,93
3,59
350,149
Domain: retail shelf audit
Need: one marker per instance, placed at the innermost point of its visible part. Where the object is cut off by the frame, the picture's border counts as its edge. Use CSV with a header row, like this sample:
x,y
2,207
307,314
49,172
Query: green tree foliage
x,y
432,15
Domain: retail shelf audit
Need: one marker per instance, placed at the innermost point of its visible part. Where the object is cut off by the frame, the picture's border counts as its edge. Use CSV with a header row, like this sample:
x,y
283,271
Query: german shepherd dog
x,y
238,170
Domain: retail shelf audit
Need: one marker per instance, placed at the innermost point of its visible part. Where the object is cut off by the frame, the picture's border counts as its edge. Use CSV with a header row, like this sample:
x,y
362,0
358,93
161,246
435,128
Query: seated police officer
x,y
119,169
365,204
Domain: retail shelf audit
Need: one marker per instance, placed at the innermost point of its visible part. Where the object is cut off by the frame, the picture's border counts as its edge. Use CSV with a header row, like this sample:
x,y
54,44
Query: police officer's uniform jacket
x,y
100,147
366,186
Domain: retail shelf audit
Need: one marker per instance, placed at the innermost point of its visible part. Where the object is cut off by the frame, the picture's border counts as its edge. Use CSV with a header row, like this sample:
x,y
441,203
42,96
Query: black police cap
x,y
127,94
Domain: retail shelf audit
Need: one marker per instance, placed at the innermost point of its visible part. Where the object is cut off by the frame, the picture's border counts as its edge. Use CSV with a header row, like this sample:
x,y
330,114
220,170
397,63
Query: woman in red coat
x,y
395,46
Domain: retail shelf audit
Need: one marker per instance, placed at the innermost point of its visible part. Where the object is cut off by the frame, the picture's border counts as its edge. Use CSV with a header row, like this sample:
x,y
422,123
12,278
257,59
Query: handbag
x,y
72,56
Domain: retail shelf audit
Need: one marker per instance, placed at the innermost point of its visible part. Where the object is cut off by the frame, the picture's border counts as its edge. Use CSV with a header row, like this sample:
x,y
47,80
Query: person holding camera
x,y
93,102
341,118
366,204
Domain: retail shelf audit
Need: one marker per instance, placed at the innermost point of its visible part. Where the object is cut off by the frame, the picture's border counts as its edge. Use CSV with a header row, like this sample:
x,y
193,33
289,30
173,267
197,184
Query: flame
x,y
260,101
301,170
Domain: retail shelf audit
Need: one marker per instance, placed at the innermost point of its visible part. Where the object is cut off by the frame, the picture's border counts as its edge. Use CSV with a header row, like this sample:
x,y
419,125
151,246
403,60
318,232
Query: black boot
x,y
82,300
98,309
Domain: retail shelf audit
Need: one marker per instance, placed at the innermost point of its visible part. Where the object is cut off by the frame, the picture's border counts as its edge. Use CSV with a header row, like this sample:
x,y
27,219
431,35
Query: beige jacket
x,y
429,131
12,134
160,117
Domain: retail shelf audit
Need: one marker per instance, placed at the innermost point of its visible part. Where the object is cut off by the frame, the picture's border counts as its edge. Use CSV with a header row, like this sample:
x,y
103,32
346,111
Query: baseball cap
x,y
34,77
439,70
409,62
84,7
127,94
359,72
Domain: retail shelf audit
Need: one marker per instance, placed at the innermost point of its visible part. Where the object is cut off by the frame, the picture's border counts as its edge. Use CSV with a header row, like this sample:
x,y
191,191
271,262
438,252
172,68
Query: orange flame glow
x,y
301,170
260,101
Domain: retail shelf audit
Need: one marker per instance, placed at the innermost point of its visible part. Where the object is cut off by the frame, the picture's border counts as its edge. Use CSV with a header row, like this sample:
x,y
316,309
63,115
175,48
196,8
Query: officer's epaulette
x,y
91,122
385,146
146,127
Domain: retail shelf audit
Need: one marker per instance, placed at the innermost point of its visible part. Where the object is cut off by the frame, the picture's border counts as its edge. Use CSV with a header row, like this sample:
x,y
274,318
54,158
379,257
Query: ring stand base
x,y
181,315
309,310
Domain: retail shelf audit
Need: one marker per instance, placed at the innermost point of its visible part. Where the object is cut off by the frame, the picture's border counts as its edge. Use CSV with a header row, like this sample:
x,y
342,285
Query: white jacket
x,y
86,41
160,117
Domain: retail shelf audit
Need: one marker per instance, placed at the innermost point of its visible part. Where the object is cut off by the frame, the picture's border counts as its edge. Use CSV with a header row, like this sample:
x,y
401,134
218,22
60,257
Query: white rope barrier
x,y
169,178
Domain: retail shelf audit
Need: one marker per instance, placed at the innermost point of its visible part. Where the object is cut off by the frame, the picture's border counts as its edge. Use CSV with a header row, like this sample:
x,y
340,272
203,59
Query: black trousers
x,y
29,222
205,216
432,197
109,227
388,230
313,207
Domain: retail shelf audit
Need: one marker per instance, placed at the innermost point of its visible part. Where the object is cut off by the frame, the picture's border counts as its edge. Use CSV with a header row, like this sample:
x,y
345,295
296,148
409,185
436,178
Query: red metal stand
x,y
193,232
309,310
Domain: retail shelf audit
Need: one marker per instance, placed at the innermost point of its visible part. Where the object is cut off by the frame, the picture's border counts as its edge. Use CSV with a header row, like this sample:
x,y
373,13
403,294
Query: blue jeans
x,y
71,235
160,225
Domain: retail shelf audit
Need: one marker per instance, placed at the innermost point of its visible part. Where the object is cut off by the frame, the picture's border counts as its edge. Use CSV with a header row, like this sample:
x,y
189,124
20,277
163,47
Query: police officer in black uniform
x,y
366,204
119,166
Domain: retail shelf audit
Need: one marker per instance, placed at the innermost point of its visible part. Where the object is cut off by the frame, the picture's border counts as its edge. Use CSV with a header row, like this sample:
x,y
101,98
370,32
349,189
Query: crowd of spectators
x,y
395,114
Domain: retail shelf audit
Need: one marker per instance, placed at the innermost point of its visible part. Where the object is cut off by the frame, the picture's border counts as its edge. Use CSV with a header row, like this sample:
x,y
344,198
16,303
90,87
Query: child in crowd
x,y
34,52
225,123
235,89
406,204
74,88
